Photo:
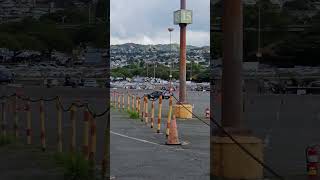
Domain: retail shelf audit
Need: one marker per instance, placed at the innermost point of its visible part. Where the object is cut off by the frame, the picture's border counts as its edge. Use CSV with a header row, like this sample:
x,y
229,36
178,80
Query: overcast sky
x,y
146,22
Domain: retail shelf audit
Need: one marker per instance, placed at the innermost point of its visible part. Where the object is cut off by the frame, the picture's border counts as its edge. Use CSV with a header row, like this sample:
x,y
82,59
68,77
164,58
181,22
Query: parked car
x,y
166,94
70,82
51,83
156,94
163,88
314,84
90,83
6,76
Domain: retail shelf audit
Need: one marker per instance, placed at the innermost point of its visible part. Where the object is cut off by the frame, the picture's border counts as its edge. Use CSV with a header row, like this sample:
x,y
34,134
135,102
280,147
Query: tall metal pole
x,y
170,76
183,57
232,65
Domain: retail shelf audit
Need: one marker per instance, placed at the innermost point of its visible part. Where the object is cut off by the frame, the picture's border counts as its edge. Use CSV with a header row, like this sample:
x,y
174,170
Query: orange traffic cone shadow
x,y
173,138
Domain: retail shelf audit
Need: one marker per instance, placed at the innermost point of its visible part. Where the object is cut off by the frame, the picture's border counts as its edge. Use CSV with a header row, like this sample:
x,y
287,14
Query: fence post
x,y
15,117
29,119
128,102
106,152
93,139
146,110
43,130
133,99
169,116
119,102
111,98
114,99
4,120
139,107
59,125
73,128
152,114
159,114
143,108
123,105
86,116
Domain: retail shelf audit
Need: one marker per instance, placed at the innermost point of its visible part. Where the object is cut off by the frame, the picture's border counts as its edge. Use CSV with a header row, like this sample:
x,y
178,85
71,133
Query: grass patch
x,y
133,114
6,140
75,166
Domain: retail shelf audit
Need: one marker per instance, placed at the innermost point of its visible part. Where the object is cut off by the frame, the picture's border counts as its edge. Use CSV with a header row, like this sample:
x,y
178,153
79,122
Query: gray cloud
x,y
146,21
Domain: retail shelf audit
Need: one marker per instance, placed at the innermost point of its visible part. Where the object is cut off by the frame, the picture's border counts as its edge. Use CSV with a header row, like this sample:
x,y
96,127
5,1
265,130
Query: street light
x,y
170,76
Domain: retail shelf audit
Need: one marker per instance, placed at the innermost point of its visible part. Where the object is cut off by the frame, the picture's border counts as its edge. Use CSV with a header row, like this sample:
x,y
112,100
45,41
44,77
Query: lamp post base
x,y
230,162
183,111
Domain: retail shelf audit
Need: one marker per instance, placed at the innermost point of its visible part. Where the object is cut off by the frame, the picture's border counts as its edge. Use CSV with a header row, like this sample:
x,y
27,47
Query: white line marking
x,y
149,142
137,139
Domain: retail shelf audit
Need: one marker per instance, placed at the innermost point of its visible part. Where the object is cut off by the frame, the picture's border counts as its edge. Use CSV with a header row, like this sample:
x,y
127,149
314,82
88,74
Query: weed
x,y
5,140
133,114
75,166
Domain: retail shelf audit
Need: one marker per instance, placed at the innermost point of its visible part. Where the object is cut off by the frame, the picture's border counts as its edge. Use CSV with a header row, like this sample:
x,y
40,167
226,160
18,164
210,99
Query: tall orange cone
x,y
173,138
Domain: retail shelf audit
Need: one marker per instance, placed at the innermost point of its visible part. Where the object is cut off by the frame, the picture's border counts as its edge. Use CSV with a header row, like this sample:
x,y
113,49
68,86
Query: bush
x,y
133,114
5,140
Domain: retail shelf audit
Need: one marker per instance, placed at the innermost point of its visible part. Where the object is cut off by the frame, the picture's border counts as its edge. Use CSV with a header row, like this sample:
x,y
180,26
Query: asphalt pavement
x,y
139,153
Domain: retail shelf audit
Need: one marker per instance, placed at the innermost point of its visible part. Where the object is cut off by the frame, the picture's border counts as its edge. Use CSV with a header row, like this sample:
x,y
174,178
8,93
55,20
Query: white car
x,y
90,83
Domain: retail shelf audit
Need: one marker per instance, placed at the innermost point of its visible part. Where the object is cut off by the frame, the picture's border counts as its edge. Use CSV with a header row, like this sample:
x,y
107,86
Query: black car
x,y
6,76
156,94
70,82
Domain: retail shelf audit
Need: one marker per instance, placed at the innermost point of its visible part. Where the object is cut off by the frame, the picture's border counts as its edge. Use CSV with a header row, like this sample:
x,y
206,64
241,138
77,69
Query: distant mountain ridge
x,y
156,47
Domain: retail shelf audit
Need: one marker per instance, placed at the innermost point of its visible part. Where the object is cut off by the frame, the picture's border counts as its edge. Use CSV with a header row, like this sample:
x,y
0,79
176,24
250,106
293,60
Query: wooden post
x,y
73,128
29,128
42,125
159,114
85,147
59,126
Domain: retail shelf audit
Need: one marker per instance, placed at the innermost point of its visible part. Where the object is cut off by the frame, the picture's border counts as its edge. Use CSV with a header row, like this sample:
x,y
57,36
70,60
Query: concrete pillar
x,y
227,159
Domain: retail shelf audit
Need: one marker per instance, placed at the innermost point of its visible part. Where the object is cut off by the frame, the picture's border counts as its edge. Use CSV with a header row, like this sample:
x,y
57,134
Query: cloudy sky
x,y
146,22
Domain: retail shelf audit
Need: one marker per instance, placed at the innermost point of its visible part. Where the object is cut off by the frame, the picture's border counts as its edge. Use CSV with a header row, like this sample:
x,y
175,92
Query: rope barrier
x,y
29,122
89,142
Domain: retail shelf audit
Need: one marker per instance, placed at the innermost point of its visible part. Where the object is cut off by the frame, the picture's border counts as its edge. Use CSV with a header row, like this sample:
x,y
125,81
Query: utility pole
x,y
183,17
170,76
232,106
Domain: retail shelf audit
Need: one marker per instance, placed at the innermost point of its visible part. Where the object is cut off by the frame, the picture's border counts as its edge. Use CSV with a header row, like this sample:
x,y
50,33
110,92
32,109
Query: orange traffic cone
x,y
173,138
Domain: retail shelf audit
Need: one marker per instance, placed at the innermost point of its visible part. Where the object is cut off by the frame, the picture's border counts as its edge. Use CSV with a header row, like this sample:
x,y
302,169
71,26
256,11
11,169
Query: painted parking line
x,y
133,138
153,143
